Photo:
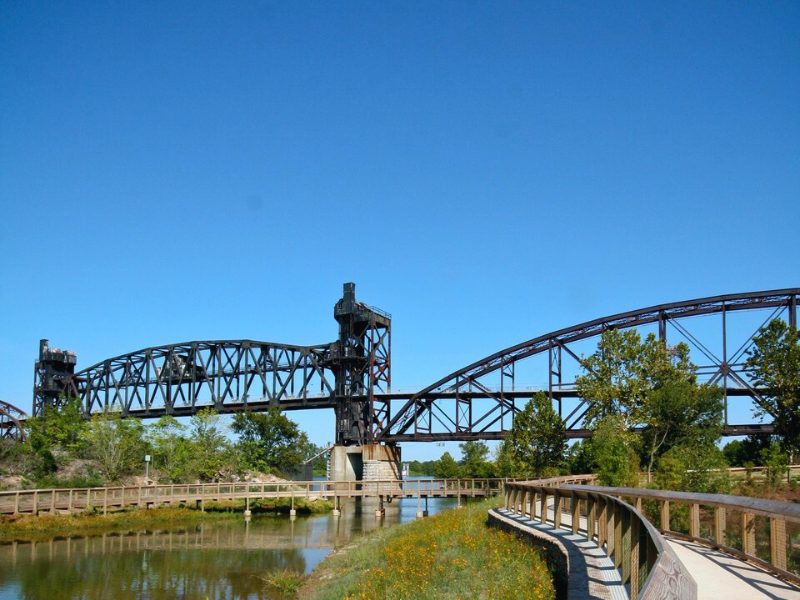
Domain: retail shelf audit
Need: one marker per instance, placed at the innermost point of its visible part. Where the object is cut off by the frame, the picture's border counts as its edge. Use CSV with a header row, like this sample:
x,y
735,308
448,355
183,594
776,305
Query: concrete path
x,y
591,573
720,576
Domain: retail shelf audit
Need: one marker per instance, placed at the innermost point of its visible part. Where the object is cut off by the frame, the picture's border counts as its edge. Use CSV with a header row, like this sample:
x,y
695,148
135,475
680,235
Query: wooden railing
x,y
113,498
645,562
716,515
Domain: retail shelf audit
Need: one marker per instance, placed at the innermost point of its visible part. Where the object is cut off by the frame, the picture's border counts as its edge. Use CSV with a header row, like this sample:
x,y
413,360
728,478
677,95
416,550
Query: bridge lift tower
x,y
361,362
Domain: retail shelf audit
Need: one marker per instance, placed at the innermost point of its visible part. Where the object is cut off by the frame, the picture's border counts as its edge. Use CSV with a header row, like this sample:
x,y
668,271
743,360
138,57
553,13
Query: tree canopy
x,y
537,441
774,365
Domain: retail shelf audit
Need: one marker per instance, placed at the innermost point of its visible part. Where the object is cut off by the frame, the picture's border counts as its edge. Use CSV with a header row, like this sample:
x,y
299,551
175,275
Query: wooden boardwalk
x,y
592,575
115,498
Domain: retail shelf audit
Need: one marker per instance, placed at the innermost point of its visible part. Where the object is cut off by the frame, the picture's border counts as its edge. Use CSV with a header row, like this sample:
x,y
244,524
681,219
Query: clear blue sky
x,y
485,172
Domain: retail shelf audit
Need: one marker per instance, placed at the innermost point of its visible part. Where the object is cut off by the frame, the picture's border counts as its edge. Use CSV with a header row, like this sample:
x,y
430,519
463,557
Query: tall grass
x,y
29,527
451,555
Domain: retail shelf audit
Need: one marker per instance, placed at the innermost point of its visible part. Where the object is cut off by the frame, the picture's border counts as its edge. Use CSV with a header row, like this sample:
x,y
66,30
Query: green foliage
x,y
475,460
776,462
60,427
620,376
537,441
117,445
172,451
424,467
614,449
774,364
747,452
580,459
447,467
211,448
678,413
693,468
270,442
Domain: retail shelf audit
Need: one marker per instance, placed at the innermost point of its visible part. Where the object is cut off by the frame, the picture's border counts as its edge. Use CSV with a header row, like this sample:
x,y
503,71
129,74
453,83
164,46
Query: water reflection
x,y
224,560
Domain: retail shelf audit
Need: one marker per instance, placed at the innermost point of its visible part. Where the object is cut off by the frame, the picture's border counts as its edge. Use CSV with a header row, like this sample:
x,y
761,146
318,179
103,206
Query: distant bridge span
x,y
11,420
352,375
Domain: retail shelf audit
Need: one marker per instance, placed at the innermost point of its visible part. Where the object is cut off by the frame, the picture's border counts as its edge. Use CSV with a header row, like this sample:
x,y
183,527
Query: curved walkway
x,y
591,572
720,576
592,575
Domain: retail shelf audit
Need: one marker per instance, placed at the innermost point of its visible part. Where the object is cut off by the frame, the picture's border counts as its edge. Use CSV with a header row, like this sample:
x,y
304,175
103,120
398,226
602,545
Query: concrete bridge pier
x,y
367,462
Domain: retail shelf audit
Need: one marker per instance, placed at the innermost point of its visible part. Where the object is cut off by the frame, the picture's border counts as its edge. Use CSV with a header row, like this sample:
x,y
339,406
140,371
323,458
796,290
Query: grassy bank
x,y
29,527
44,526
451,555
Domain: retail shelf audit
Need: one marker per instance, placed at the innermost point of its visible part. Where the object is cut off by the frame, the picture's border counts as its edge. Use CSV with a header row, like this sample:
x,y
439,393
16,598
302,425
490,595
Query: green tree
x,y
173,452
746,452
776,463
774,364
679,412
580,460
447,467
59,427
117,445
209,444
474,459
693,468
614,448
620,376
270,442
538,440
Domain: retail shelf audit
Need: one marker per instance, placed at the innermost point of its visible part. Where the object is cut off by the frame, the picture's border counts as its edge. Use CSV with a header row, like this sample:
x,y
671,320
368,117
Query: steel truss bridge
x,y
352,375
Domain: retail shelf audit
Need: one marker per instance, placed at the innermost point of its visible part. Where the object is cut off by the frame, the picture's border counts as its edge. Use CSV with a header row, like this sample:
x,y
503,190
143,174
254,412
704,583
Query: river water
x,y
224,559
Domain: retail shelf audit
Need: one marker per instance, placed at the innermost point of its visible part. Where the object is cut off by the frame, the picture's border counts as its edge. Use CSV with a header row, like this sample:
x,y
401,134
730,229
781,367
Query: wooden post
x,y
35,502
626,544
719,524
543,507
105,501
591,517
16,503
611,539
69,505
635,556
777,542
748,533
602,522
694,520
665,515
557,500
576,513
618,550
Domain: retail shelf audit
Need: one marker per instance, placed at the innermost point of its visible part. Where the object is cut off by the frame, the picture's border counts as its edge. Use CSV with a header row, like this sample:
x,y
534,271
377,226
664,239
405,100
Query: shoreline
x,y
437,556
27,527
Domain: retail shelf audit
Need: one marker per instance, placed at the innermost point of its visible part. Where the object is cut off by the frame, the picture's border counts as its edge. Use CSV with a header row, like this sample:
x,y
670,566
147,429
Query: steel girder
x,y
447,409
227,375
11,419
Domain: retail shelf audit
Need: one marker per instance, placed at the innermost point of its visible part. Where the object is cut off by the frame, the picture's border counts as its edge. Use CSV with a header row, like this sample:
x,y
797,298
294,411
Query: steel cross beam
x,y
414,419
11,420
226,375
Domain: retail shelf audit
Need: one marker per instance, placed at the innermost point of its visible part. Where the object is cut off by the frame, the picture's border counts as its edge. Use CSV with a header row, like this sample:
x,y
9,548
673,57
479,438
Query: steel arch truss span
x,y
11,419
227,376
465,405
